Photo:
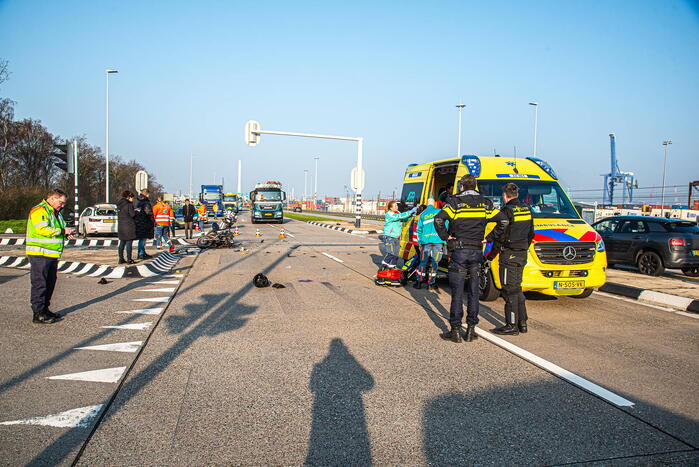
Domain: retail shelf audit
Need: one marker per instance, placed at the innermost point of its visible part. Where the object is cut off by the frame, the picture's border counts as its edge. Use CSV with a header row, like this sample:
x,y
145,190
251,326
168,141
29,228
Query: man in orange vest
x,y
202,216
162,212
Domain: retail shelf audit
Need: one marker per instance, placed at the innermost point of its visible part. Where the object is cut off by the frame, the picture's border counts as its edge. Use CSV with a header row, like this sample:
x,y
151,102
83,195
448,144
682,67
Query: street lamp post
x,y
305,185
458,147
536,123
106,155
666,143
315,186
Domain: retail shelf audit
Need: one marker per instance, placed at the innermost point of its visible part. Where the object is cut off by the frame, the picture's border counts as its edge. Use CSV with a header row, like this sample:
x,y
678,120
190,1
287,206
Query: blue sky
x,y
192,73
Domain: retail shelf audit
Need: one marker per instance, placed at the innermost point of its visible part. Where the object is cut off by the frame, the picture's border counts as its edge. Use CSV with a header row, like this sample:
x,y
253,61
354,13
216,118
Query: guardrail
x,y
343,214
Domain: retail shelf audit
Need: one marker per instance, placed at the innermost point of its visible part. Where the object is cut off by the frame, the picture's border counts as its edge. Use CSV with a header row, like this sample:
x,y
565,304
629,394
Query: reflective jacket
x,y
162,212
202,212
467,214
514,227
45,231
393,225
426,233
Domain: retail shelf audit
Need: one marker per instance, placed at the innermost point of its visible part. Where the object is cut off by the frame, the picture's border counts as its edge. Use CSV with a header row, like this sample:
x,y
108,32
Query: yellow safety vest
x,y
45,231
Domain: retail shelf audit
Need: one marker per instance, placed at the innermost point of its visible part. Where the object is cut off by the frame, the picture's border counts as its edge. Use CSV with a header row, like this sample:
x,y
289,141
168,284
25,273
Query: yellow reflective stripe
x,y
522,218
462,215
449,210
45,240
37,250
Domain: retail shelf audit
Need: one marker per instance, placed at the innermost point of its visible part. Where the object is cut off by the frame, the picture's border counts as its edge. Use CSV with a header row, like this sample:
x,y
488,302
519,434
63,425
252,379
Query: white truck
x,y
267,202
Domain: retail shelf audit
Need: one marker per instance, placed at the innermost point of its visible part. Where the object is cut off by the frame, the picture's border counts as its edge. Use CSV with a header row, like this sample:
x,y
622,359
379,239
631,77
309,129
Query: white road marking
x,y
556,370
164,282
333,258
173,275
129,347
146,311
132,326
152,299
290,235
166,289
99,271
649,305
74,418
665,299
106,375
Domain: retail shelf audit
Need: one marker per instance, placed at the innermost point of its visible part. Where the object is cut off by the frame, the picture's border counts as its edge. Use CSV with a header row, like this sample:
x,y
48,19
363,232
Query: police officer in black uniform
x,y
512,235
467,213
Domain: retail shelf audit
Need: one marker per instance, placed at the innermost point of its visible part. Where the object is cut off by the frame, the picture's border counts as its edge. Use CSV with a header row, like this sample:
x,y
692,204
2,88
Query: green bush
x,y
17,225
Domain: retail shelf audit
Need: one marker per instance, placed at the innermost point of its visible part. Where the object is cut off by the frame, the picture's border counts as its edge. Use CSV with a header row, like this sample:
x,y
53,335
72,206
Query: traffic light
x,y
64,153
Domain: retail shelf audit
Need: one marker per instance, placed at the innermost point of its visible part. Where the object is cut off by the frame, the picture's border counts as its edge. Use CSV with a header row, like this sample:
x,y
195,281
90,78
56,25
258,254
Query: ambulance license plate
x,y
569,285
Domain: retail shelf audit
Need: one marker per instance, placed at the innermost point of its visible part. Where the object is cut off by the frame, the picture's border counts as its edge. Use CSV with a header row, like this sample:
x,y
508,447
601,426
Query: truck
x,y
267,202
231,201
212,195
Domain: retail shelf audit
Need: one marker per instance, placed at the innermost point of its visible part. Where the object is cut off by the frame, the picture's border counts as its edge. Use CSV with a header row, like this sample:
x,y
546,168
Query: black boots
x,y
417,285
470,333
454,335
507,330
522,325
45,318
144,256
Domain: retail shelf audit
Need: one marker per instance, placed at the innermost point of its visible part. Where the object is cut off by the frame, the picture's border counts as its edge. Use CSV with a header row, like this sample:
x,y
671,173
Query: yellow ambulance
x,y
567,256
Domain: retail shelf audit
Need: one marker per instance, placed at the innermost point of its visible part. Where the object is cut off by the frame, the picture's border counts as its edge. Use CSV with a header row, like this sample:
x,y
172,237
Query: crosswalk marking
x,y
74,418
152,299
145,311
132,326
105,375
128,347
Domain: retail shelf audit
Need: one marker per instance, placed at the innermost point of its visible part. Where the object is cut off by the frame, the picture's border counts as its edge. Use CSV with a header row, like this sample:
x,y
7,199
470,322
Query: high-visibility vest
x,y
202,212
45,231
162,212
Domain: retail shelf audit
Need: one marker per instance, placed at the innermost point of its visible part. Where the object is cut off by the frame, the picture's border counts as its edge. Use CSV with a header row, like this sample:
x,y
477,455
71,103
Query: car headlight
x,y
600,245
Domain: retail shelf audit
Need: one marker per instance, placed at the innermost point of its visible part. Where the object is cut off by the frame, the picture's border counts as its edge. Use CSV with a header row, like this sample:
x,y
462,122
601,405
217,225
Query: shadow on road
x,y
339,434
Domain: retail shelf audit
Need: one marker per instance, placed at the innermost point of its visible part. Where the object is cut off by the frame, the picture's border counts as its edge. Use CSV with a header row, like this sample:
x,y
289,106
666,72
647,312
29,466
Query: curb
x,y
651,296
163,263
343,229
84,242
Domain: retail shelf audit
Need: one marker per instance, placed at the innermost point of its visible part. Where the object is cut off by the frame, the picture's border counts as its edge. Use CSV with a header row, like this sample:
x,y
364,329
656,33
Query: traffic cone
x,y
235,232
257,233
281,233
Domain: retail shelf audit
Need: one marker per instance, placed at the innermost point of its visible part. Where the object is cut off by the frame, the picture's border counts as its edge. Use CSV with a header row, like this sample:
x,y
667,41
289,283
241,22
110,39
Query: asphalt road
x,y
332,369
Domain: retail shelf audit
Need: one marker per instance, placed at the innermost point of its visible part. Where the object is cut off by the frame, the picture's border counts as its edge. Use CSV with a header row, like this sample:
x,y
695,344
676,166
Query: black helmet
x,y
260,280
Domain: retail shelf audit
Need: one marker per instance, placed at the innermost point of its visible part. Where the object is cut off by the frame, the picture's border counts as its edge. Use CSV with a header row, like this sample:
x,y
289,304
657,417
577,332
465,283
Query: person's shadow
x,y
339,434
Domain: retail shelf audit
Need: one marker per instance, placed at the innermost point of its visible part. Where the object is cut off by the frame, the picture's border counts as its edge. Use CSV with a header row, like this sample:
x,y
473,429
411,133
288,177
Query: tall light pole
x,y
458,147
305,184
666,143
190,177
106,155
315,186
536,123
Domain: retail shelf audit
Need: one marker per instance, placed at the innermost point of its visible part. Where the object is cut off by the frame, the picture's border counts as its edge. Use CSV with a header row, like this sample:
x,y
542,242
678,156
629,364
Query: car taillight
x,y
677,242
91,219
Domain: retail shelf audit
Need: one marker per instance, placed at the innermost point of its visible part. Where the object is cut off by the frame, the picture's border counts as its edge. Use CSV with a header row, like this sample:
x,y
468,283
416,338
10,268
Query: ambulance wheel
x,y
586,293
489,292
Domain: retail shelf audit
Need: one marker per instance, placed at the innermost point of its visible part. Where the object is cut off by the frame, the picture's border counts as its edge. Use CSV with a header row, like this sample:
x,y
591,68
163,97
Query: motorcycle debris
x,y
260,280
103,281
278,286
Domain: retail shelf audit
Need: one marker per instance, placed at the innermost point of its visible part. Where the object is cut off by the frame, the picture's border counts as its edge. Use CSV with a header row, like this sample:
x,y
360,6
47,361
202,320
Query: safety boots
x,y
470,333
522,325
507,330
453,335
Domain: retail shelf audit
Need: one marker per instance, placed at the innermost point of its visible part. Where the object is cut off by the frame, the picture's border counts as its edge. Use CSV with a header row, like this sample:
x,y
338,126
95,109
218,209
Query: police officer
x,y
467,213
46,230
513,233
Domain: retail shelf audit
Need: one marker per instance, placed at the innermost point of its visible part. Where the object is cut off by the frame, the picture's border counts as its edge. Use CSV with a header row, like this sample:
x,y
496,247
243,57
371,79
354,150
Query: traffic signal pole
x,y
252,138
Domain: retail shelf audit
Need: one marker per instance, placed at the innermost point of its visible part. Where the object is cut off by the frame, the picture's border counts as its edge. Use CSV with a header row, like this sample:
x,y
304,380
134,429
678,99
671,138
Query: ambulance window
x,y
411,195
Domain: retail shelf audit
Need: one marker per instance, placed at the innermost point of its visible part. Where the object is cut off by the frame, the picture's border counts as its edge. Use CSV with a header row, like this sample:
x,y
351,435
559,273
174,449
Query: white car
x,y
98,219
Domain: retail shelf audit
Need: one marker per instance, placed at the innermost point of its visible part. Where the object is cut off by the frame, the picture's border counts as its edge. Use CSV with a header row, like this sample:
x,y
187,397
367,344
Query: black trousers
x,y
43,275
512,264
464,269
128,245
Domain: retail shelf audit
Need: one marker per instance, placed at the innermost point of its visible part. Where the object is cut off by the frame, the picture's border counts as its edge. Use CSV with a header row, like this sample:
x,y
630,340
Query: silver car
x,y
98,219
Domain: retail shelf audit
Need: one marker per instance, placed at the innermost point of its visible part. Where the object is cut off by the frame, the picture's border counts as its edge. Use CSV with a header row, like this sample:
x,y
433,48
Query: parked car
x,y
297,209
651,243
98,219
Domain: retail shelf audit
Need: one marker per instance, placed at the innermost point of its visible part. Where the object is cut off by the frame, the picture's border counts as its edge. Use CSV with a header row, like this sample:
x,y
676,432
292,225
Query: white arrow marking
x,y
106,375
74,418
145,311
134,326
118,347
166,289
152,299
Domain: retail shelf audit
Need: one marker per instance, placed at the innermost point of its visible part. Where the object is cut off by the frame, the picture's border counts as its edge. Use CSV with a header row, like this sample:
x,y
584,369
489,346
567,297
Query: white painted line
x,y
290,235
333,258
84,269
152,299
99,271
556,370
145,311
664,299
93,243
164,282
132,326
144,271
117,347
106,375
74,418
635,302
16,262
117,273
174,275
166,289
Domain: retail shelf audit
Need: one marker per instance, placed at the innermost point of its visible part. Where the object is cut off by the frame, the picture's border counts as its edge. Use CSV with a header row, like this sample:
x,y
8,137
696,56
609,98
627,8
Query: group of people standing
x,y
459,230
139,220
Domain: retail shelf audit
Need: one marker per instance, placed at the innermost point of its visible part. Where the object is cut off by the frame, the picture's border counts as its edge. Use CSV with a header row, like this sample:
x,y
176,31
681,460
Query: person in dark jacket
x,y
127,226
145,224
513,233
188,215
467,213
